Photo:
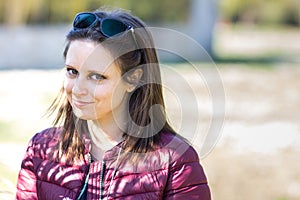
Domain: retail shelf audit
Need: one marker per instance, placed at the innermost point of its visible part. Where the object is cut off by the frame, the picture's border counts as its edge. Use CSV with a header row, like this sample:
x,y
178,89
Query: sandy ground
x,y
256,155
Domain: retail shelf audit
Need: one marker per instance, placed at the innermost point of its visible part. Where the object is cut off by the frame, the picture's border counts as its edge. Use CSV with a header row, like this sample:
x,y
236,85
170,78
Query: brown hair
x,y
143,131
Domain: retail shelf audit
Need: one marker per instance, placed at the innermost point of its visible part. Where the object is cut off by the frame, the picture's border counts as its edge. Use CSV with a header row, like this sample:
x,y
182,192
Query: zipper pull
x,y
89,158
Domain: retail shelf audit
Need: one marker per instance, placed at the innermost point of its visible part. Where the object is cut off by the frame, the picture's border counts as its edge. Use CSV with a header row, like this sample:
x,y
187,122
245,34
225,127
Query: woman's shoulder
x,y
43,142
178,147
47,136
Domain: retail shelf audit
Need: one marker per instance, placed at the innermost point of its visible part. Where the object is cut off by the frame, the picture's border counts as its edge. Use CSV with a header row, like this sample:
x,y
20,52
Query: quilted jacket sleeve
x,y
26,184
187,179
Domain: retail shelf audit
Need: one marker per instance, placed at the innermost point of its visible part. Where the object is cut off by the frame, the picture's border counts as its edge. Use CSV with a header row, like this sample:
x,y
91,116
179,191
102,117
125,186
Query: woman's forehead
x,y
88,54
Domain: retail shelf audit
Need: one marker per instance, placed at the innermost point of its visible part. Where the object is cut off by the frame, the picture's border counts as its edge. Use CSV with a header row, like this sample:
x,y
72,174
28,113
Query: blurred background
x,y
254,43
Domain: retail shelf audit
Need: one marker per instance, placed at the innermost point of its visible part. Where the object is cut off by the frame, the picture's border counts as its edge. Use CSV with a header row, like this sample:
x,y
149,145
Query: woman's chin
x,y
83,116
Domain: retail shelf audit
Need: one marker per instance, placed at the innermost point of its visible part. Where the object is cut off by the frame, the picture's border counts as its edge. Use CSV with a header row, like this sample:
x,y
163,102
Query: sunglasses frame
x,y
97,18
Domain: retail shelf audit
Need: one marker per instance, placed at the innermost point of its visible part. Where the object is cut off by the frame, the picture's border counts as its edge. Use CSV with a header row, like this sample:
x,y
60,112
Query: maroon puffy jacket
x,y
172,171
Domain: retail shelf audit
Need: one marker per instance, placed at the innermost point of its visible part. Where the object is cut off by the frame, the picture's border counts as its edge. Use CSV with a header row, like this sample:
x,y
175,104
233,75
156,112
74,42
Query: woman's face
x,y
93,82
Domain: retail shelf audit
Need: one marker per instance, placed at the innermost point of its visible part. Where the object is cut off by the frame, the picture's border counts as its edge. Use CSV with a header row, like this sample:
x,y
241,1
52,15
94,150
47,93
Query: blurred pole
x,y
202,19
199,28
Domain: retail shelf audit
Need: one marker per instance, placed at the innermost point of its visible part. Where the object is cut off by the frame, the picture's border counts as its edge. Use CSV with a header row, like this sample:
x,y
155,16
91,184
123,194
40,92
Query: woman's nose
x,y
79,87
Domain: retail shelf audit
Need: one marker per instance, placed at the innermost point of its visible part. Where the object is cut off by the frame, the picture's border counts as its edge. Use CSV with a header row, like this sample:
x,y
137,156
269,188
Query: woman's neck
x,y
104,137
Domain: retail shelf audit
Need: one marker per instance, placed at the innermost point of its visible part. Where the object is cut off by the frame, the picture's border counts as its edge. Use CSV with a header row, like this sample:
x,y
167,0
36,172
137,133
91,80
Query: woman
x,y
111,139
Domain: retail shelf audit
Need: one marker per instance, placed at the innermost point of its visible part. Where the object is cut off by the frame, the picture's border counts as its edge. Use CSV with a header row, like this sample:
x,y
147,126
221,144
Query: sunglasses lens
x,y
84,20
111,27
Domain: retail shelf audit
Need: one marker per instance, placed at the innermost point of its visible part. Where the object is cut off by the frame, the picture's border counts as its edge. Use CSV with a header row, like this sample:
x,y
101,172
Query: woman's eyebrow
x,y
70,66
97,71
102,72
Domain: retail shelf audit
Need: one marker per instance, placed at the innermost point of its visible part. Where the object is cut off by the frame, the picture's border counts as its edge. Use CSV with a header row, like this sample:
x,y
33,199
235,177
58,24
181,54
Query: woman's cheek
x,y
68,85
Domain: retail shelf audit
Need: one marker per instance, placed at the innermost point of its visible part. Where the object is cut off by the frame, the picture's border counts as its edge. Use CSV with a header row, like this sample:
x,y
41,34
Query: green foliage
x,y
261,12
160,10
283,198
59,11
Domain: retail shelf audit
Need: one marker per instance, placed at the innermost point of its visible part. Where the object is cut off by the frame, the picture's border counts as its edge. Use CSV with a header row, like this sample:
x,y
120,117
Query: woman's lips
x,y
80,104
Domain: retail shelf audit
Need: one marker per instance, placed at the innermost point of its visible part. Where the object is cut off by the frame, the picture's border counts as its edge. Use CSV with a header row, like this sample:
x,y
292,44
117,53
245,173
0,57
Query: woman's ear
x,y
134,78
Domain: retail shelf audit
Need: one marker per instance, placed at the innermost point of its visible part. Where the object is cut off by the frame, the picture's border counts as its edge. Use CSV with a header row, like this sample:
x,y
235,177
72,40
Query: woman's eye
x,y
97,77
72,72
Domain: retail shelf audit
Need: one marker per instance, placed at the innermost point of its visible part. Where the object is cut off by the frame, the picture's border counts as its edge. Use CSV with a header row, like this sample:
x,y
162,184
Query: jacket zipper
x,y
86,179
102,179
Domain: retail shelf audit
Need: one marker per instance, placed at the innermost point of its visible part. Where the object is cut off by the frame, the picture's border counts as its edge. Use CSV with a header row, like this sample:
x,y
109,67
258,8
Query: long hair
x,y
146,103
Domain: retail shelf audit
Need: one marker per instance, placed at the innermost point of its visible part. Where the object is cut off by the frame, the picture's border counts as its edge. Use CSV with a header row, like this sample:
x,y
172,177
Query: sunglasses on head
x,y
109,27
